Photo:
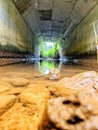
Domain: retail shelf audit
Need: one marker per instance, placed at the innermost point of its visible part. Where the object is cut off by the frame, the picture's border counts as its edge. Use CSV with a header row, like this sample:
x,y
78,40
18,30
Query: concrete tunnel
x,y
47,45
32,26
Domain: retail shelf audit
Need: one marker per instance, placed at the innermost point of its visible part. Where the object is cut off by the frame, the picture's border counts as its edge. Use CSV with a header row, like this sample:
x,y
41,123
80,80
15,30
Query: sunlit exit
x,y
49,44
49,49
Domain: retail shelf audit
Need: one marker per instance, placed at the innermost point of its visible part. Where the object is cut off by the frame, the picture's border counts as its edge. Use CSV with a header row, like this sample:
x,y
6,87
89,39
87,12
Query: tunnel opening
x,y
49,50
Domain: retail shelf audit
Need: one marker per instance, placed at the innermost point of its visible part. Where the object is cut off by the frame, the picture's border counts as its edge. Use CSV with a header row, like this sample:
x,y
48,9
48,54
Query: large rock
x,y
4,86
6,101
17,118
76,112
56,90
35,98
86,80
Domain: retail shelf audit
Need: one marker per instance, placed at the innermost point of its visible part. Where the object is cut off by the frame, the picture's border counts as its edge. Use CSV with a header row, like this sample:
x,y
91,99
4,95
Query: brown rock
x,y
19,82
56,90
15,91
17,118
3,89
6,101
4,86
30,113
35,98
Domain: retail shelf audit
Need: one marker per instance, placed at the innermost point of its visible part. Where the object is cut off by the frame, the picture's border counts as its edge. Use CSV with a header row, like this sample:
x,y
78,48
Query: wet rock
x,y
56,91
76,112
87,80
17,118
35,99
3,89
4,86
6,101
15,91
29,112
53,74
19,82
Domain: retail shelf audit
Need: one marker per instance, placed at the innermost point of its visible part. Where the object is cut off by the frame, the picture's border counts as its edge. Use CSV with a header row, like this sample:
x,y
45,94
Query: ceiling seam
x,y
23,19
65,33
73,7
37,17
22,10
84,17
52,19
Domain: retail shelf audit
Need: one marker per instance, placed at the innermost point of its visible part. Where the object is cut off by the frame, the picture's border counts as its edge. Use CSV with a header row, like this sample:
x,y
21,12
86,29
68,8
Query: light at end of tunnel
x,y
49,44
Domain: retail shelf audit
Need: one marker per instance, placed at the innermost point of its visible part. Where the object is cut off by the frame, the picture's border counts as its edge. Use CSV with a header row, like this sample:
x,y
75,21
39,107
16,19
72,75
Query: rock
x,y
53,74
56,90
29,113
76,112
86,80
19,82
6,101
17,118
3,89
4,86
15,91
35,98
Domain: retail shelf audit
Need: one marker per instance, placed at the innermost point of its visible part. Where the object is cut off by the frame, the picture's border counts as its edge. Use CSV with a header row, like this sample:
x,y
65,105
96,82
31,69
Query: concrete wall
x,y
13,30
84,38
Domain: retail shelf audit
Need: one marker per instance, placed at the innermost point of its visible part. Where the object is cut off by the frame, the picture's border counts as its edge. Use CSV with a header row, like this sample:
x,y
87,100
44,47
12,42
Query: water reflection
x,y
47,65
34,67
40,65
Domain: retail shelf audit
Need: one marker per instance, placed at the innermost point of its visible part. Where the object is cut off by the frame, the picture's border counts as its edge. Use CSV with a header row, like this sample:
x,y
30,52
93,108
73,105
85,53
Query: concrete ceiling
x,y
53,19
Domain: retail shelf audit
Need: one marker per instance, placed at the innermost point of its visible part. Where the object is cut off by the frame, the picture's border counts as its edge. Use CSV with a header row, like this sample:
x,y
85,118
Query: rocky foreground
x,y
67,104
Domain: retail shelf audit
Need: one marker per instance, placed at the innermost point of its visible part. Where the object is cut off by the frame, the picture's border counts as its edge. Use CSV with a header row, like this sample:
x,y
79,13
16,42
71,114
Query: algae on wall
x,y
82,40
13,29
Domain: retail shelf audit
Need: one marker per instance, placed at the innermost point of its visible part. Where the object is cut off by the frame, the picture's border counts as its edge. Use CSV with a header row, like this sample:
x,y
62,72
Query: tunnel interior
x,y
48,28
48,64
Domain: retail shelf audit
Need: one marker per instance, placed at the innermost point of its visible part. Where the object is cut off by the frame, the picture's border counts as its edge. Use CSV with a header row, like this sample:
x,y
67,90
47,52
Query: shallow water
x,y
43,67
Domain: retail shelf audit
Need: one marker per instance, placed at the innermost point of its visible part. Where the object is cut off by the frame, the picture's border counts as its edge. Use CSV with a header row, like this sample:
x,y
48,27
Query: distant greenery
x,y
47,51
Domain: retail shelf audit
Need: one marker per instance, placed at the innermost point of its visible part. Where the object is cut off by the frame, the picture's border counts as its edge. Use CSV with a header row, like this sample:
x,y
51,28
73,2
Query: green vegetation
x,y
47,50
